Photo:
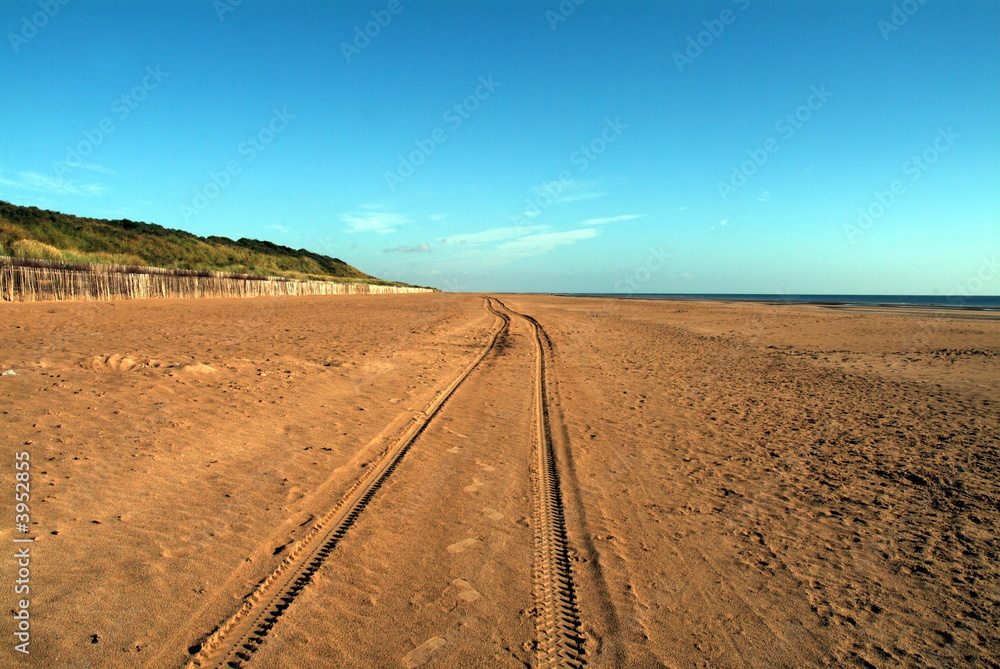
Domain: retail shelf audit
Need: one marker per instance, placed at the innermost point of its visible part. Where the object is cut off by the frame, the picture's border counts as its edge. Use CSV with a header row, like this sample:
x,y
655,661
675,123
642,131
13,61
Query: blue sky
x,y
724,146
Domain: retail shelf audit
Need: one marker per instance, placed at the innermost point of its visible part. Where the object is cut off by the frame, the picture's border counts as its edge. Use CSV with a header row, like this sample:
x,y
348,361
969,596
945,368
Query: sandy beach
x,y
447,480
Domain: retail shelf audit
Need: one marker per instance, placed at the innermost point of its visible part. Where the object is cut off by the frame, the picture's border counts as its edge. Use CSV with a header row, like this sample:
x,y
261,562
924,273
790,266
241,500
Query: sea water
x,y
990,302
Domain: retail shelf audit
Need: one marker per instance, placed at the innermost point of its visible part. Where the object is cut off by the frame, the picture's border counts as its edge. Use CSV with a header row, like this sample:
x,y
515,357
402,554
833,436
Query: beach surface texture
x,y
450,480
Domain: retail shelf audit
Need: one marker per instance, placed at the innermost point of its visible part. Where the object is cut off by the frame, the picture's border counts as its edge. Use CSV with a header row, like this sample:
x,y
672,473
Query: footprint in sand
x,y
474,486
492,514
455,449
486,468
422,653
463,545
465,590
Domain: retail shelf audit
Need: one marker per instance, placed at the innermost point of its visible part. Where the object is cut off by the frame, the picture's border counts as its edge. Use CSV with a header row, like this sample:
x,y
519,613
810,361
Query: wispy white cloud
x,y
41,183
85,166
537,244
612,219
439,218
372,218
492,235
423,248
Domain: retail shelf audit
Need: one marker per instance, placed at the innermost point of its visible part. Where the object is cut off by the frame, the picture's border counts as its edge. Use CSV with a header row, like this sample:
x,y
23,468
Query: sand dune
x,y
357,481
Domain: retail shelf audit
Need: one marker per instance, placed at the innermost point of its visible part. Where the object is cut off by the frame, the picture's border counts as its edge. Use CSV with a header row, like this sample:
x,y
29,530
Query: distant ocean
x,y
989,302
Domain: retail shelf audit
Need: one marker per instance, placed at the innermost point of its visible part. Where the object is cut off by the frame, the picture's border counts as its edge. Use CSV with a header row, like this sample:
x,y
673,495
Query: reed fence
x,y
37,280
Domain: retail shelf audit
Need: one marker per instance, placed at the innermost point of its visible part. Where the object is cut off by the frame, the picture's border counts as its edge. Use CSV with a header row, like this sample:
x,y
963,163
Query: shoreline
x,y
887,307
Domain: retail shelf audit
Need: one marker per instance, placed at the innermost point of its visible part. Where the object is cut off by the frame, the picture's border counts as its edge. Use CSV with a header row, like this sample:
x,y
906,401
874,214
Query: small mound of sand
x,y
196,368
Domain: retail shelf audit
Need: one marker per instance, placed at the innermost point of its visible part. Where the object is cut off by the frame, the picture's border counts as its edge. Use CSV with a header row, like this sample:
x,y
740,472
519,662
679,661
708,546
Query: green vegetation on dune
x,y
29,232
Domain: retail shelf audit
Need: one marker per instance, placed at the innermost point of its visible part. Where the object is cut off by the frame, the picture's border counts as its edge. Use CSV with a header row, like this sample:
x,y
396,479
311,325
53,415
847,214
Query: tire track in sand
x,y
559,640
236,639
